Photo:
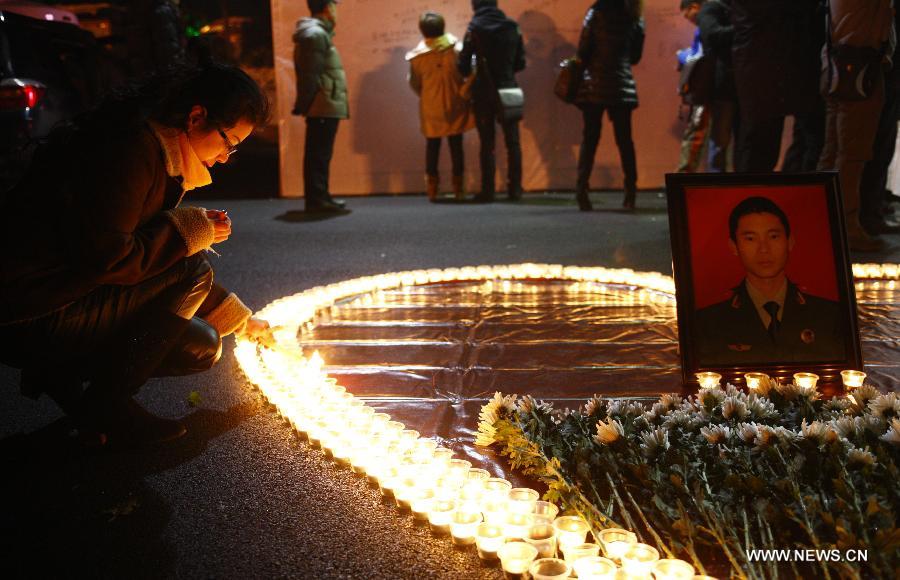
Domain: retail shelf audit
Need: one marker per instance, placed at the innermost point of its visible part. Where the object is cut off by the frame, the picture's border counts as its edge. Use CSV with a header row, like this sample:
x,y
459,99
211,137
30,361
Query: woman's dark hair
x,y
431,25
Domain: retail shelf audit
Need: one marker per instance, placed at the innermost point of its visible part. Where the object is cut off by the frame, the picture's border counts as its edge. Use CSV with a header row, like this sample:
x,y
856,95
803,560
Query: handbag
x,y
852,72
568,79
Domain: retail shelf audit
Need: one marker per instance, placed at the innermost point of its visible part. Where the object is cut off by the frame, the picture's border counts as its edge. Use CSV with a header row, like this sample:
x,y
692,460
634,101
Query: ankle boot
x,y
432,185
630,194
584,202
459,187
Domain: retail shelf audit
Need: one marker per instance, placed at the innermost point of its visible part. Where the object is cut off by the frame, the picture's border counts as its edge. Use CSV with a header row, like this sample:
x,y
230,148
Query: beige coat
x,y
444,105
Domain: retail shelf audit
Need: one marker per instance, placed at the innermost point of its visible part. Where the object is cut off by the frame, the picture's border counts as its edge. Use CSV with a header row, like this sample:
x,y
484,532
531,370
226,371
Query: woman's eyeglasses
x,y
230,148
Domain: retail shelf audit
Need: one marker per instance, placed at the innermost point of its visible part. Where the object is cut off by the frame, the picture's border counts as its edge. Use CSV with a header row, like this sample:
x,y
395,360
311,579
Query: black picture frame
x,y
694,325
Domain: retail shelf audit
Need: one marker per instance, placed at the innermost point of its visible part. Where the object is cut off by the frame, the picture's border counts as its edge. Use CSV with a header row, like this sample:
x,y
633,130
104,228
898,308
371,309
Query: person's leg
x,y
592,116
319,147
693,141
197,349
760,144
720,131
458,160
484,122
432,155
874,178
621,120
513,160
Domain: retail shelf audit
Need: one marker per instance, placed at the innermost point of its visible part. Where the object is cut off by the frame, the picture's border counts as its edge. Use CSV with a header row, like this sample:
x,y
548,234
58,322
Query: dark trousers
x,y
621,121
485,119
104,335
874,178
433,153
759,144
317,152
807,141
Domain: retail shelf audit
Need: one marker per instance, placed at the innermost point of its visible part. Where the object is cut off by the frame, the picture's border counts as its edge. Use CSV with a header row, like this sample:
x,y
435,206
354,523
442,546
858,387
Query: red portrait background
x,y
716,270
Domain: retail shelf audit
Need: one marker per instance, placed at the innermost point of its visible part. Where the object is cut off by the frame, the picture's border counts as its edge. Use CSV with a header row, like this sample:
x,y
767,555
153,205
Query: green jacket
x,y
321,82
731,332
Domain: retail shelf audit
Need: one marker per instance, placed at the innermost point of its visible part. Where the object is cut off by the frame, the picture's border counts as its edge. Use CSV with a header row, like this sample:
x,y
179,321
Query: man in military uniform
x,y
321,98
768,319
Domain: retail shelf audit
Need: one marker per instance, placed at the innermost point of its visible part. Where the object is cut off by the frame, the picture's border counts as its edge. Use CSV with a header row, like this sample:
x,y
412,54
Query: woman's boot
x,y
581,195
432,184
630,194
459,187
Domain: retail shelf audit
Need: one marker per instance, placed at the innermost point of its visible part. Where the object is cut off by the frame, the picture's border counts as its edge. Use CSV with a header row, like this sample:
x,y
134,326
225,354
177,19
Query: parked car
x,y
49,72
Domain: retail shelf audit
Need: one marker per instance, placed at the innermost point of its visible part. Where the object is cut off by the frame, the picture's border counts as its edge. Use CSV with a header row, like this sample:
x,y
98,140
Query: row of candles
x,y
850,378
511,526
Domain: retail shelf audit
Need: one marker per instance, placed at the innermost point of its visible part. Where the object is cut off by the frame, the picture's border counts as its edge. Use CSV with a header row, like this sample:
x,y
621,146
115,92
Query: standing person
x,y
105,279
851,125
612,40
717,36
696,133
321,98
775,57
498,40
443,105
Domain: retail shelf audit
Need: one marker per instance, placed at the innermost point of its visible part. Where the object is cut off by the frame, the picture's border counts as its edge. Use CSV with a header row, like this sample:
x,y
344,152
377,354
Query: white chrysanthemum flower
x,y
846,427
670,401
787,435
818,431
733,391
655,441
886,407
837,404
765,386
870,423
861,396
748,432
860,458
683,419
809,393
734,408
716,434
789,391
766,436
711,397
620,408
593,406
760,408
892,435
608,432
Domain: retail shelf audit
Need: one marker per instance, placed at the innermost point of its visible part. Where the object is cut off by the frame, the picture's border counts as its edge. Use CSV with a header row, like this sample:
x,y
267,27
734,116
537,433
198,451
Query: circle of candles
x,y
708,380
488,539
550,569
639,560
543,537
570,530
753,380
595,568
853,379
807,380
673,569
463,526
516,557
615,542
521,499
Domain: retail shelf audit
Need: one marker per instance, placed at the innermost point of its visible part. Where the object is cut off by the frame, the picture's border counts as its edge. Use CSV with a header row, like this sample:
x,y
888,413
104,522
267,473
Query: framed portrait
x,y
762,275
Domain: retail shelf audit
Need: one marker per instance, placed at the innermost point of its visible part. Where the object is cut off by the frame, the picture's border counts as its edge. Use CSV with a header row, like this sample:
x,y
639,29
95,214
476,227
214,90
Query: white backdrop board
x,y
381,150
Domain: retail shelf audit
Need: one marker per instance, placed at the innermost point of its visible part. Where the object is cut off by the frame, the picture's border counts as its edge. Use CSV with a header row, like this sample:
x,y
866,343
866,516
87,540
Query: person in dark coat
x,y
768,318
776,65
717,35
498,40
105,279
612,40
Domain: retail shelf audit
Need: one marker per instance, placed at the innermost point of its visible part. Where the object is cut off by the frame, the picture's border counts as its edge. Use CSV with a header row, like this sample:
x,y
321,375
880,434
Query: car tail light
x,y
20,96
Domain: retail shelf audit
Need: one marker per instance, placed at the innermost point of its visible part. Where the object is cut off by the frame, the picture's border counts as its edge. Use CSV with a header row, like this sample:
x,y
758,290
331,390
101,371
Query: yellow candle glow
x,y
550,569
488,539
615,542
521,500
570,530
542,537
754,379
708,380
516,557
463,527
806,380
639,560
440,515
853,379
673,569
595,568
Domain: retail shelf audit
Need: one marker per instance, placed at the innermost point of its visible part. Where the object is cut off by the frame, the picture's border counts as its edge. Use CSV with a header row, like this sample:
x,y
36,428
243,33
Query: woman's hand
x,y
221,224
259,330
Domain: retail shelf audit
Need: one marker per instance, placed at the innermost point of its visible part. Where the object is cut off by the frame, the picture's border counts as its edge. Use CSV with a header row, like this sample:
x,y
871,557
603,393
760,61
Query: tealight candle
x,y
516,525
440,514
708,380
542,537
754,379
570,530
420,503
545,510
595,568
673,569
550,569
463,526
574,552
639,560
853,379
488,539
615,542
521,500
516,558
807,380
494,510
496,488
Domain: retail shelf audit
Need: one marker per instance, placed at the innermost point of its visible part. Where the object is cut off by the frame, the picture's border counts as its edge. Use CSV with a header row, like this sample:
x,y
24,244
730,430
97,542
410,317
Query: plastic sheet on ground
x,y
432,355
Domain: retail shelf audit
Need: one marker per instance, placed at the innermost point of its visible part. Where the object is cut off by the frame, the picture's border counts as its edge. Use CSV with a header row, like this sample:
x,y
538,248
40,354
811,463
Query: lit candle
x,y
440,514
420,503
570,530
543,537
853,379
516,525
639,560
672,569
521,500
463,526
708,380
806,380
550,569
574,552
615,542
595,568
516,557
488,539
494,511
754,379
496,489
